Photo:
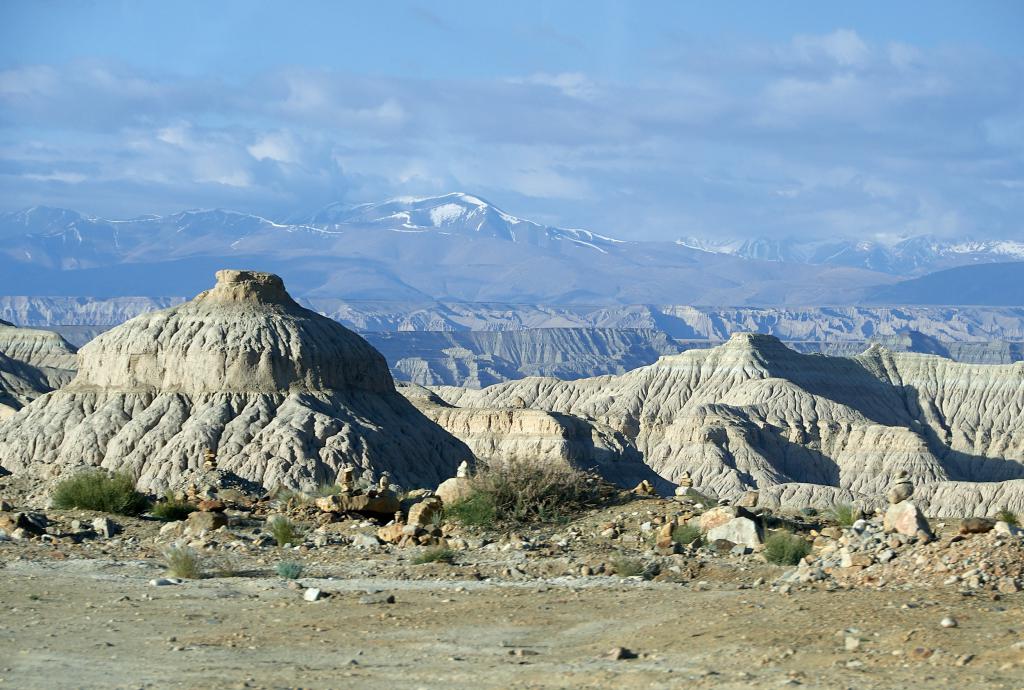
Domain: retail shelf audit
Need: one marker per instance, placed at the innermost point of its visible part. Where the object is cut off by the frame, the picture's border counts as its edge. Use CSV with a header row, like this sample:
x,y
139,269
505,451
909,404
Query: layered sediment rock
x,y
283,397
518,434
32,362
753,413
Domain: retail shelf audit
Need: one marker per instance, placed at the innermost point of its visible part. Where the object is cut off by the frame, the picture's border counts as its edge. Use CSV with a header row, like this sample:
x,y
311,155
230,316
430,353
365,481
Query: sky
x,y
640,120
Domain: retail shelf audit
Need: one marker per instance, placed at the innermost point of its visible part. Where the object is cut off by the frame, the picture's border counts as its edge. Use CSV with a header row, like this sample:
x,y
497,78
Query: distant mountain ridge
x,y
458,247
906,257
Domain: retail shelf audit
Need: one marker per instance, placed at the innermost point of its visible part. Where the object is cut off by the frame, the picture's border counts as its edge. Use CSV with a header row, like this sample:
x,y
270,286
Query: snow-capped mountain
x,y
456,213
906,257
455,247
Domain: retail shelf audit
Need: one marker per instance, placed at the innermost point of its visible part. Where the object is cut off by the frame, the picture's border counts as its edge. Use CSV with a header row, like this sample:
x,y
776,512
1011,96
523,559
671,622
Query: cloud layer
x,y
821,135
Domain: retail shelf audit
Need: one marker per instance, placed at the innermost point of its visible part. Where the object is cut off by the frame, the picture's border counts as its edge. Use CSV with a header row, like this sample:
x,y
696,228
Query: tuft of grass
x,y
437,554
708,500
843,514
476,510
628,567
283,530
686,534
183,562
289,570
522,492
171,509
1007,516
785,548
327,489
97,490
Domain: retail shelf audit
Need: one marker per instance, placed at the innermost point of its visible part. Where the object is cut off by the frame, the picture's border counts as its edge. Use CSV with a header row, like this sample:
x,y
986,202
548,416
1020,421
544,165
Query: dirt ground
x,y
98,623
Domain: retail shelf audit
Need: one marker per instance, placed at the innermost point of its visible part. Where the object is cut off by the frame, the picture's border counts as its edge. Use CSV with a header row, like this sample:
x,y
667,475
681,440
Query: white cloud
x,y
843,46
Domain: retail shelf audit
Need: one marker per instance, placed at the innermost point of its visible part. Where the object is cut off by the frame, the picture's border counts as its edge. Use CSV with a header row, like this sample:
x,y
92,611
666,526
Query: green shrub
x,y
708,500
627,567
476,510
843,513
435,555
171,509
785,548
686,534
1007,516
183,562
327,489
289,570
97,490
283,530
522,492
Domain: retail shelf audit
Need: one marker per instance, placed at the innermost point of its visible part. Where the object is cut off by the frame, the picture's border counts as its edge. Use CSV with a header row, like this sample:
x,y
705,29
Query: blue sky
x,y
636,119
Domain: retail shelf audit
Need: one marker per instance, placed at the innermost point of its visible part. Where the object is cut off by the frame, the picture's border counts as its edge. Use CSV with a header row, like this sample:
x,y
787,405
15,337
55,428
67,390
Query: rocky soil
x,y
599,600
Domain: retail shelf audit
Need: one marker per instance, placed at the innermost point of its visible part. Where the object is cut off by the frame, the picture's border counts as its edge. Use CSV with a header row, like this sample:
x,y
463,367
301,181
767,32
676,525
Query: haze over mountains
x,y
459,248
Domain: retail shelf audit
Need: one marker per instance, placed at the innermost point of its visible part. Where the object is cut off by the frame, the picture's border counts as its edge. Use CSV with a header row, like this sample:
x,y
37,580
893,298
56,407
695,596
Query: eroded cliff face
x,y
530,435
32,362
753,413
283,396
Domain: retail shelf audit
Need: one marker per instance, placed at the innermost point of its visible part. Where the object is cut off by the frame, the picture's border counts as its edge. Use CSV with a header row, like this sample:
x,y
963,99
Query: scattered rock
x,y
739,530
105,527
453,490
385,503
907,519
202,521
312,594
977,525
619,654
948,622
377,598
165,581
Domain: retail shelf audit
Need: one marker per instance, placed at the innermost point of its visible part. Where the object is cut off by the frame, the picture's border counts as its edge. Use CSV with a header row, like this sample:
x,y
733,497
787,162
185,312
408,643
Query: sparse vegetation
x,y
183,562
283,530
707,500
522,492
628,567
1007,516
289,570
327,489
97,490
843,513
785,548
435,555
171,509
686,534
476,510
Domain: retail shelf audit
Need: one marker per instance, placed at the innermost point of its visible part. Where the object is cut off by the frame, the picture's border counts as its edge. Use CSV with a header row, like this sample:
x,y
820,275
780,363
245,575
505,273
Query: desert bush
x,y
283,530
327,489
437,554
521,492
686,534
1007,516
708,500
289,570
476,510
628,567
171,509
843,513
97,490
183,562
785,548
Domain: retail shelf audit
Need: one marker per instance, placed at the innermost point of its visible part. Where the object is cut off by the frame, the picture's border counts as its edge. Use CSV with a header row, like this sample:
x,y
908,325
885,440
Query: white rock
x,y
311,594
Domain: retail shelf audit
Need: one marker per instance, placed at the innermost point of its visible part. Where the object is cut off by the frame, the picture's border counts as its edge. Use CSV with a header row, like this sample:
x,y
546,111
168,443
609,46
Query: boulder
x,y
204,521
739,530
977,525
424,512
454,490
720,516
384,503
907,519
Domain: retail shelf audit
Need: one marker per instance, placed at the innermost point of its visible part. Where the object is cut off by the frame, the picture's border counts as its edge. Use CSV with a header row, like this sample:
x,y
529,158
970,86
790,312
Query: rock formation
x,y
755,414
510,434
283,397
32,362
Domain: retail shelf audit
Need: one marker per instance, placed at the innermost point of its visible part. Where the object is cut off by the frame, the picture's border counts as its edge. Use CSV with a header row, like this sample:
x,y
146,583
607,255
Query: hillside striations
x,y
283,396
753,413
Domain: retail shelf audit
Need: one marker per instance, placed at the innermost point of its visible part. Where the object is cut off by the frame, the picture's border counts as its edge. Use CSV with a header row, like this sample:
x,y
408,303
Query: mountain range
x,y
459,248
